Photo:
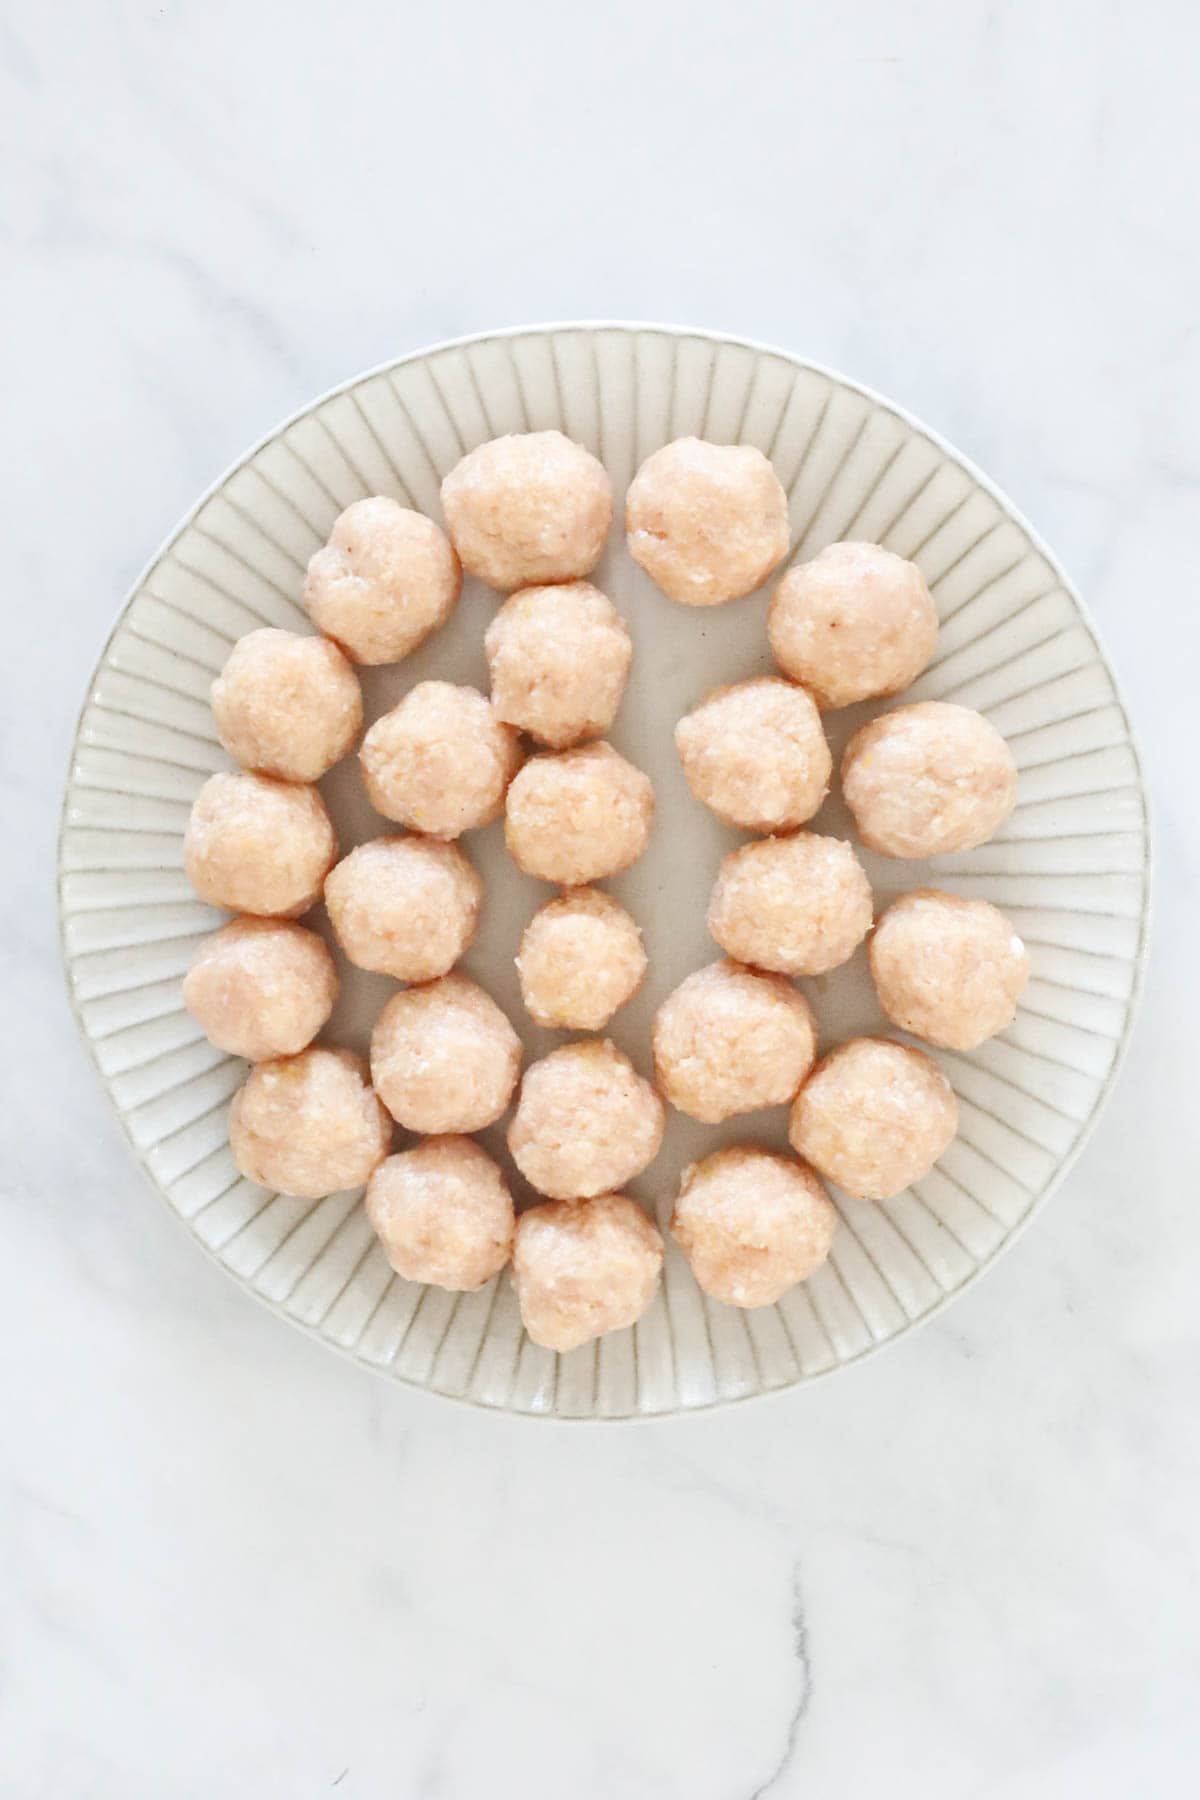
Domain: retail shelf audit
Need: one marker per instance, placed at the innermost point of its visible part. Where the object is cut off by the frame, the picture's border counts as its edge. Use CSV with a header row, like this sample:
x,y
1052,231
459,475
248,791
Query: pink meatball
x,y
404,906
559,659
578,816
529,508
581,959
947,969
261,987
585,1123
855,623
440,762
442,1213
928,779
386,579
796,905
751,1224
707,522
584,1267
309,1125
254,845
756,754
444,1058
286,705
729,1040
874,1117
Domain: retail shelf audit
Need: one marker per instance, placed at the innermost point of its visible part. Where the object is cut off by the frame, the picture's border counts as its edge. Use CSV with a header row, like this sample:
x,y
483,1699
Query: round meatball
x,y
578,816
559,659
856,623
797,905
927,779
404,906
707,522
254,845
752,1224
729,1040
287,705
309,1125
442,1213
584,1267
874,1116
386,579
528,508
586,1122
581,958
441,761
444,1057
947,969
261,988
756,754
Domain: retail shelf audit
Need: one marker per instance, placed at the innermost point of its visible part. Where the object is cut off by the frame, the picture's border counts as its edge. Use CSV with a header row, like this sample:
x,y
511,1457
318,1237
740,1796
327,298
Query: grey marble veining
x,y
235,1565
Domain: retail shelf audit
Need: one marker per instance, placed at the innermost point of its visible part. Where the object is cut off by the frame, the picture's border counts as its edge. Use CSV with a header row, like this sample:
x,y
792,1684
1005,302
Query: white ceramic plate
x,y
1070,867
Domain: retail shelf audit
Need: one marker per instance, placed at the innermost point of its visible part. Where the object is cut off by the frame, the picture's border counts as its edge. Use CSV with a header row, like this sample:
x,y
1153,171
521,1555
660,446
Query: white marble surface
x,y
234,1565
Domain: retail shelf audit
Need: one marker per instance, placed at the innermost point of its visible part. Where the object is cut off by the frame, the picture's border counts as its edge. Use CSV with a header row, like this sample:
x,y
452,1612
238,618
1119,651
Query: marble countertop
x,y
238,1566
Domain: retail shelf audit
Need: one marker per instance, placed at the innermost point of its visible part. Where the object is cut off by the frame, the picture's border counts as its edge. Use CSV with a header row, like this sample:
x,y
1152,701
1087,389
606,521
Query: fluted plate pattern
x,y
1071,867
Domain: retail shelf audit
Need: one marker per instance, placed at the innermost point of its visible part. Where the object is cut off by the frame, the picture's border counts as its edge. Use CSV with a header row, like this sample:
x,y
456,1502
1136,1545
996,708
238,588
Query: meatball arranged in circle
x,y
874,1116
578,816
581,959
440,762
707,522
528,508
584,1267
756,754
586,1122
254,845
404,906
559,659
796,905
855,623
947,969
384,582
729,1040
752,1224
309,1125
261,988
444,1057
287,705
442,1213
928,779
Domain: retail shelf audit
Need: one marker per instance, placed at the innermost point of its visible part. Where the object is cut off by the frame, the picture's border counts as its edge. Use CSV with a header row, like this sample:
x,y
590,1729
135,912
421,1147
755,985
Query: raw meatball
x,y
751,1224
798,905
874,1116
856,623
707,522
386,579
261,987
442,1213
404,906
559,658
441,761
581,958
578,816
254,845
756,754
586,1122
928,778
947,969
584,1267
444,1057
729,1040
309,1125
287,705
533,507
